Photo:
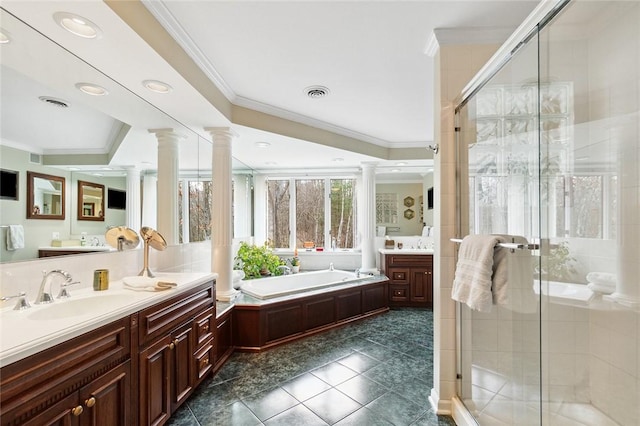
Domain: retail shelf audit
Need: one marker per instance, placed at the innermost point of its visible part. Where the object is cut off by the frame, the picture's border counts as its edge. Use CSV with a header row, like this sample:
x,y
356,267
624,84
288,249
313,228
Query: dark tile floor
x,y
378,371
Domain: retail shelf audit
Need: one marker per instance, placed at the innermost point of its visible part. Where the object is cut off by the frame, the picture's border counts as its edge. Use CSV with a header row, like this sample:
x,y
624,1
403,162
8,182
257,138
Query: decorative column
x,y
168,168
149,203
368,217
628,227
221,212
134,208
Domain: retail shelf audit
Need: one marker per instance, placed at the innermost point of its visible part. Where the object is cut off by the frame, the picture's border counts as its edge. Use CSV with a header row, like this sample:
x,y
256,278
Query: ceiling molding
x,y
471,35
173,27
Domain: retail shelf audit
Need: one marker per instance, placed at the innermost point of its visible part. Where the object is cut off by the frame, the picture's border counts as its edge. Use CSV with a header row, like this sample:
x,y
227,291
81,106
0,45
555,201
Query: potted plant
x,y
257,261
295,264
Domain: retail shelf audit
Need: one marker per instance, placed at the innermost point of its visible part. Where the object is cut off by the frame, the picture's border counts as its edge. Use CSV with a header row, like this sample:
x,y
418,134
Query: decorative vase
x,y
295,269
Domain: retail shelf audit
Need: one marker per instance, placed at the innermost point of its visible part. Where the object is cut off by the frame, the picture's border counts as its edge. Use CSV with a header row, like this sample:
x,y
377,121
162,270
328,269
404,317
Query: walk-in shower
x,y
548,149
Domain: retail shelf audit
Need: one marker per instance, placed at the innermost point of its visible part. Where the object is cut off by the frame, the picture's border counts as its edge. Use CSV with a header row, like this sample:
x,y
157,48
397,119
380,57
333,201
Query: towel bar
x,y
511,246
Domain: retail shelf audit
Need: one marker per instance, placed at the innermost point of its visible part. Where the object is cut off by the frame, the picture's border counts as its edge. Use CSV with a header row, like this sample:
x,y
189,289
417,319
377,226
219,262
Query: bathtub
x,y
267,288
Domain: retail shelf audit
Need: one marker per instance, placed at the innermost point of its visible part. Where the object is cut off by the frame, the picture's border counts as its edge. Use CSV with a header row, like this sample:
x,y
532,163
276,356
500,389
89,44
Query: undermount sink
x,y
77,307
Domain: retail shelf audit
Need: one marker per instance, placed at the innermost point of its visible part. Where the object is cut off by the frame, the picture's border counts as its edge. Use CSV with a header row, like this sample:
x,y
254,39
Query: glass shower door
x,y
499,155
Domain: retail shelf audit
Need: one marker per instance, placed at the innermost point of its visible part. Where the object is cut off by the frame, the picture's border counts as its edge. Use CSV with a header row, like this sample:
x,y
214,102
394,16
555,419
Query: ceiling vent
x,y
316,92
35,158
55,102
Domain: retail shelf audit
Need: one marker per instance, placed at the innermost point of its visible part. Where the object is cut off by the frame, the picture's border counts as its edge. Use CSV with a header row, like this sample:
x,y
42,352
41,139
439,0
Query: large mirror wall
x,y
110,133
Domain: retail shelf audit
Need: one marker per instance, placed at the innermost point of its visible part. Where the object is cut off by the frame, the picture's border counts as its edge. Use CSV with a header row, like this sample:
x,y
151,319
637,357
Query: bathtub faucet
x,y
331,266
285,269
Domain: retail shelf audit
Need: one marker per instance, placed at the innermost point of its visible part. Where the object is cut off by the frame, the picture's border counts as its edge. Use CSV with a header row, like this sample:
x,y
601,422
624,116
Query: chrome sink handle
x,y
64,293
22,303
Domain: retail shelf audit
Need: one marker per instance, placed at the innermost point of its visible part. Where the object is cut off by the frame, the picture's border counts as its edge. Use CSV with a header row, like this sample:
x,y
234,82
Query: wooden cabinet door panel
x,y
106,400
154,393
182,368
60,414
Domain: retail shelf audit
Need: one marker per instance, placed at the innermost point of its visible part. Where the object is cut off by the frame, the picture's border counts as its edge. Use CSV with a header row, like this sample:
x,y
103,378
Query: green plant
x,y
559,265
294,261
257,261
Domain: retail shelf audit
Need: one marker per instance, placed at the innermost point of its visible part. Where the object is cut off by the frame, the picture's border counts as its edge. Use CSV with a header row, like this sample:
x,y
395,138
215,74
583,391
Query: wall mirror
x,y
90,201
45,196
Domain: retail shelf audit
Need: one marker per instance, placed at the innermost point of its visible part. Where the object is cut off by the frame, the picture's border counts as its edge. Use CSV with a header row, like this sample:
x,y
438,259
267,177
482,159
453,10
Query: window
x,y
319,211
386,207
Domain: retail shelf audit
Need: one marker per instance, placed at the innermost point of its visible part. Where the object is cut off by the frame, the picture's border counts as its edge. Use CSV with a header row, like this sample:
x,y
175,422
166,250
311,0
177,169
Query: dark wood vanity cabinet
x,y
136,370
83,381
176,341
410,279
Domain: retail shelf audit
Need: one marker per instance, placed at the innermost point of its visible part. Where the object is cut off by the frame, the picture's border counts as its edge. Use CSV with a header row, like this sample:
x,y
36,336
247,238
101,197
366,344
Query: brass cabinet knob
x,y
76,411
90,402
176,341
172,345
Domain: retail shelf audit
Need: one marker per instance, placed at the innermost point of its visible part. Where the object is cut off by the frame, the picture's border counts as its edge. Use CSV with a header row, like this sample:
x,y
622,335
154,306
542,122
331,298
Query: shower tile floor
x,y
378,371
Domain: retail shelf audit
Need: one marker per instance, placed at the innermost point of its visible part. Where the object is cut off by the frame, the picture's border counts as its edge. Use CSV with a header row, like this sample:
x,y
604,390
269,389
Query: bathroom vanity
x,y
134,363
410,273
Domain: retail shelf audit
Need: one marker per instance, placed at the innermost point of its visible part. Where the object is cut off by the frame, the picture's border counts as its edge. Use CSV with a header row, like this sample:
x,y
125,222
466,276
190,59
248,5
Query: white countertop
x,y
405,251
26,332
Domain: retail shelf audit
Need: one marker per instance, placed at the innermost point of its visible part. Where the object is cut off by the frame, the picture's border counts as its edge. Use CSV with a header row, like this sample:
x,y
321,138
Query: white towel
x,y
513,280
15,237
602,282
146,284
475,270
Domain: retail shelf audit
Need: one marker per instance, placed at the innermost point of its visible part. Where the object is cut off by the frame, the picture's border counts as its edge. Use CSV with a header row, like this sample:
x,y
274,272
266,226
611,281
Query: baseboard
x,y
460,414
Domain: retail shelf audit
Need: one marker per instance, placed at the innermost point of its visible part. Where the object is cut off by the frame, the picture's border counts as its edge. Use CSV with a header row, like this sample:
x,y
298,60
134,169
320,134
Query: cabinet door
x,y
154,392
399,275
64,413
421,285
106,400
183,373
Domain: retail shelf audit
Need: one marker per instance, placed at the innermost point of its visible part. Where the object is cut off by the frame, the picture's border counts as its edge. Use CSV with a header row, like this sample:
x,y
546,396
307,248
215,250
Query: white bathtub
x,y
267,288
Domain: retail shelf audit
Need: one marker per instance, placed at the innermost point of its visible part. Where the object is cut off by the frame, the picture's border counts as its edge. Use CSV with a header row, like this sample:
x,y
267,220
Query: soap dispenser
x,y
83,239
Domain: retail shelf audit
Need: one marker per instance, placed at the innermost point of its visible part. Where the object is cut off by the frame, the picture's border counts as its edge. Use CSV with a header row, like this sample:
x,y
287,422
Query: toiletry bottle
x,y
83,239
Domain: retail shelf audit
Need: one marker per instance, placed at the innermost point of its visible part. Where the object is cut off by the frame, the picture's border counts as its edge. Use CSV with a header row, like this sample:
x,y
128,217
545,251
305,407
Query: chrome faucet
x,y
95,241
331,266
285,269
22,304
45,297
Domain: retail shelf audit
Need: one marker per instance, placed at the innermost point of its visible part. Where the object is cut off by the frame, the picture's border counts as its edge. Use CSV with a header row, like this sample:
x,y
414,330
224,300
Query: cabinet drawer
x,y
163,317
398,275
409,259
204,360
399,293
204,328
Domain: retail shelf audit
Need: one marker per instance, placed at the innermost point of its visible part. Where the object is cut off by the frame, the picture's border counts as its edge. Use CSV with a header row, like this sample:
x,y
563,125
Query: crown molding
x,y
170,23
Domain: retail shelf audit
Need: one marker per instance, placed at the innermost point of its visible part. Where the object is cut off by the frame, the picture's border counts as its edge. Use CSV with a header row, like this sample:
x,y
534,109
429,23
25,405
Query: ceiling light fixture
x,y
395,170
401,163
157,86
77,25
338,160
263,144
92,89
317,92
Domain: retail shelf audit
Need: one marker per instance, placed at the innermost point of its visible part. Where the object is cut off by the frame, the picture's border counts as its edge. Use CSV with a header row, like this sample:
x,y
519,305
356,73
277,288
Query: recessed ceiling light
x,y
263,144
338,160
157,86
395,170
106,168
4,36
92,89
316,92
77,25
97,174
73,169
401,163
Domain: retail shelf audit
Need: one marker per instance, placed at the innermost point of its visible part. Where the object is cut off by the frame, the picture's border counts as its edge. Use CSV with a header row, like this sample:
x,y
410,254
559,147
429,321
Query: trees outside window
x,y
319,210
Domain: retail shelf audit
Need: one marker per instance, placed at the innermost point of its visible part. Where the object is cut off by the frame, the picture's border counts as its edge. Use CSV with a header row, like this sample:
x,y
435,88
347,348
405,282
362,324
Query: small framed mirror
x,y
45,196
90,201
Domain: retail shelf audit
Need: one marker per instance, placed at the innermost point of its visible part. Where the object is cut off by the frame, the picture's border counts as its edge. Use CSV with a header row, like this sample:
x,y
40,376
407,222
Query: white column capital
x,y
368,165
167,134
221,132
